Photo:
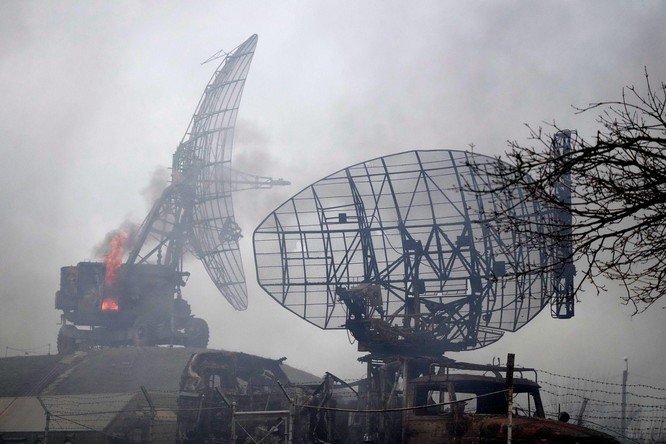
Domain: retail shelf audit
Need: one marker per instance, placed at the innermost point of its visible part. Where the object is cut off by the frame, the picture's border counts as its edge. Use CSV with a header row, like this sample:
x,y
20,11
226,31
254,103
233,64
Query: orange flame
x,y
109,304
114,258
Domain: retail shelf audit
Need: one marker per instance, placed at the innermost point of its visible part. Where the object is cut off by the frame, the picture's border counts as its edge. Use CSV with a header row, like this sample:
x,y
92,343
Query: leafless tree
x,y
612,188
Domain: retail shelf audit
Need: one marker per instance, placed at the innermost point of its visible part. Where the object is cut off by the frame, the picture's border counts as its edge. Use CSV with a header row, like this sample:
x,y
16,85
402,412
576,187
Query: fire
x,y
114,258
109,304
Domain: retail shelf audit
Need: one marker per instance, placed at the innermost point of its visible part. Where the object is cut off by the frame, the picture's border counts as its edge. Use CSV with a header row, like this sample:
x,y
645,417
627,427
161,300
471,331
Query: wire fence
x,y
39,350
635,413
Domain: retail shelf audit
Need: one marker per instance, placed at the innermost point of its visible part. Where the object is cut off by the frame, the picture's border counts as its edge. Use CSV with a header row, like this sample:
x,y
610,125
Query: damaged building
x,y
129,395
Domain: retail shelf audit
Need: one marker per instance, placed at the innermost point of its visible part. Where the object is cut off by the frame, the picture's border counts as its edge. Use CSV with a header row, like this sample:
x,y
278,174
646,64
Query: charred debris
x,y
408,400
229,397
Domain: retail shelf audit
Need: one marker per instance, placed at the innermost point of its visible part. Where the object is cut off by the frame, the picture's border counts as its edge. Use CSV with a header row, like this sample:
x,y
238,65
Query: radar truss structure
x,y
398,251
562,304
195,212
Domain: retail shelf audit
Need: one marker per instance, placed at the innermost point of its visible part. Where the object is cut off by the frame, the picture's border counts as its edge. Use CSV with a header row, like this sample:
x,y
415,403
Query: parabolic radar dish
x,y
195,212
398,251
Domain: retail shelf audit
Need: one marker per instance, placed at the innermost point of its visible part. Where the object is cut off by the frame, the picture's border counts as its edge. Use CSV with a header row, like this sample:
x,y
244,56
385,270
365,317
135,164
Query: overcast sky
x,y
96,96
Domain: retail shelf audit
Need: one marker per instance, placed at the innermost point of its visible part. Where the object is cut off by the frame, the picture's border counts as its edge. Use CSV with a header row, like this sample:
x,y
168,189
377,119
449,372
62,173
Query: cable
x,y
398,409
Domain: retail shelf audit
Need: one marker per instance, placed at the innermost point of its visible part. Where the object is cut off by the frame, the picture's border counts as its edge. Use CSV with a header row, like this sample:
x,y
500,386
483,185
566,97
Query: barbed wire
x,y
646,408
121,398
27,351
597,390
596,400
643,418
575,378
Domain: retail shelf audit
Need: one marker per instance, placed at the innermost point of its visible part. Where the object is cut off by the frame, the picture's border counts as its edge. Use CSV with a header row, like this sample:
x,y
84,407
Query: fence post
x,y
509,386
48,420
625,376
153,413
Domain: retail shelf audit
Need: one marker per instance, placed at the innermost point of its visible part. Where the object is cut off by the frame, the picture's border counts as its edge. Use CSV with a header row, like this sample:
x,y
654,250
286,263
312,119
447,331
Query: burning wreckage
x,y
131,304
237,398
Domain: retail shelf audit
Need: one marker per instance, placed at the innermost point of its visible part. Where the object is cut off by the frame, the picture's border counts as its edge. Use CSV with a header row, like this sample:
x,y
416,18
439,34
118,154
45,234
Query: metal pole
x,y
625,375
233,421
581,412
371,389
153,413
48,420
46,429
290,425
509,386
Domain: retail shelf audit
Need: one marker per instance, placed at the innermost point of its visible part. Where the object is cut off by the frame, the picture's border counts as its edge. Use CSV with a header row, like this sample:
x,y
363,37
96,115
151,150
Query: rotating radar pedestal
x,y
400,251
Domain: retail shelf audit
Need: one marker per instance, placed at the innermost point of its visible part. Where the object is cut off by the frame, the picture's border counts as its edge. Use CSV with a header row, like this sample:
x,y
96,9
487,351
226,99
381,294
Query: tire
x,y
67,340
197,333
143,331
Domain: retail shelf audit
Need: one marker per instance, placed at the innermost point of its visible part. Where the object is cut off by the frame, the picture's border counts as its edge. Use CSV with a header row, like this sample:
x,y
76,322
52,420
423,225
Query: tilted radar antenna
x,y
194,213
195,210
400,251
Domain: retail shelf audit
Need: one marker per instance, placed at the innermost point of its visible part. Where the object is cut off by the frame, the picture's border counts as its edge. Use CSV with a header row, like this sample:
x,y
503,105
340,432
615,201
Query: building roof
x,y
108,370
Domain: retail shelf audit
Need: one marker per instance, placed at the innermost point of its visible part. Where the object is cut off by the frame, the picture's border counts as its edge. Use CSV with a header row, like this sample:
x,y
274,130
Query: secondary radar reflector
x,y
195,212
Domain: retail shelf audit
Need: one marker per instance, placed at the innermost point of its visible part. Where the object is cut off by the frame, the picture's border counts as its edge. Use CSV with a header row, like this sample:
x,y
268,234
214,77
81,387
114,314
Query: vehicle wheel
x,y
143,332
197,333
181,309
67,340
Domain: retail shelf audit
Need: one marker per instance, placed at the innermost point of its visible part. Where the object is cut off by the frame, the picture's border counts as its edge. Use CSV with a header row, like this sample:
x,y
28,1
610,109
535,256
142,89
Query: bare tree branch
x,y
615,195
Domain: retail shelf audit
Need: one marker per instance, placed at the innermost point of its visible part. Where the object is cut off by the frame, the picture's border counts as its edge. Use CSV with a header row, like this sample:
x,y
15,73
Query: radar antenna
x,y
196,211
401,251
140,301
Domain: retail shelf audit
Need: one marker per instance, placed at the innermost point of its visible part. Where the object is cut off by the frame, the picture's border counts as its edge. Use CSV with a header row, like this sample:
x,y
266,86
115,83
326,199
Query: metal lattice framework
x,y
195,212
397,250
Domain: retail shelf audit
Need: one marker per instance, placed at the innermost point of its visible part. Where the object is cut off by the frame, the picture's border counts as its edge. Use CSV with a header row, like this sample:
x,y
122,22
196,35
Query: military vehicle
x,y
141,306
462,402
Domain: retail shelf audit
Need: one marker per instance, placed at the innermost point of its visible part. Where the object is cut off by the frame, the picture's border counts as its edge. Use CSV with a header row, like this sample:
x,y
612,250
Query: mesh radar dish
x,y
397,251
196,210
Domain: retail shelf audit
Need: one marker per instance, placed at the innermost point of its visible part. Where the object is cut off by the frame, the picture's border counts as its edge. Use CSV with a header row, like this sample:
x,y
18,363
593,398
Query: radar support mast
x,y
562,304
